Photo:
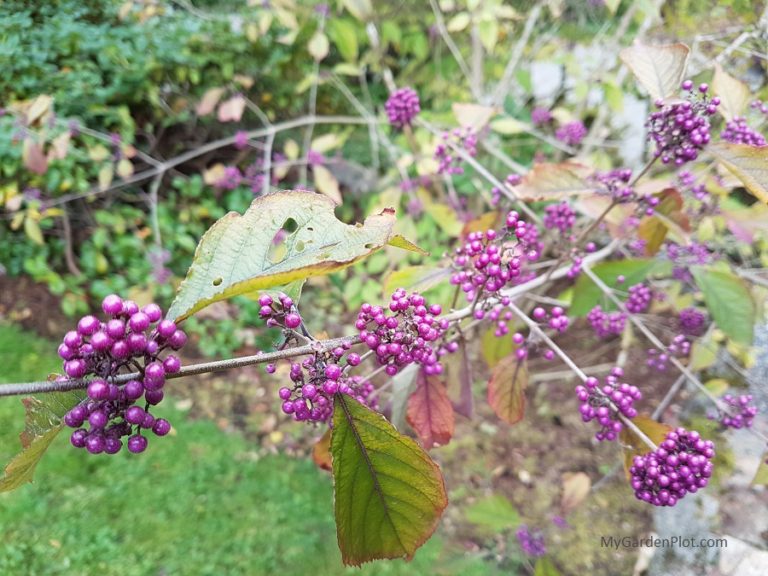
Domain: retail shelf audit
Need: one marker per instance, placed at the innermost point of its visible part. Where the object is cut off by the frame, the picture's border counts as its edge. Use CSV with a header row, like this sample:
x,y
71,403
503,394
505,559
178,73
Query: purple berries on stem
x,y
742,412
605,403
125,341
402,107
681,464
681,129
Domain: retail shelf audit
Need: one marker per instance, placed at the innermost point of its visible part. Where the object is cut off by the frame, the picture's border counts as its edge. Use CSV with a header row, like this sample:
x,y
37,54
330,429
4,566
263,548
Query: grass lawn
x,y
198,502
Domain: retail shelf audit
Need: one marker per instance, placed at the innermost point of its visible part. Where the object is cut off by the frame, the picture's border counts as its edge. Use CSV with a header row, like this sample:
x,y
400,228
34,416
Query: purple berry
x,y
137,444
161,427
112,305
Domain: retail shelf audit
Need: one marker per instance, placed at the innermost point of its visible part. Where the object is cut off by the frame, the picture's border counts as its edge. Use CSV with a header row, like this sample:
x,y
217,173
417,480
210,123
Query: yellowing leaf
x,y
509,126
326,143
658,68
360,9
575,489
106,174
327,183
232,110
124,168
32,230
40,107
506,389
459,22
748,163
389,495
473,116
209,101
236,255
633,445
291,149
318,46
321,452
733,93
554,182
416,278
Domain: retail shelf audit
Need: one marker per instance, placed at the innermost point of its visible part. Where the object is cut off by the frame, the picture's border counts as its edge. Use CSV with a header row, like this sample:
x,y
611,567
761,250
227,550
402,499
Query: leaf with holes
x,y
748,163
729,301
238,253
43,422
430,412
658,68
506,389
548,181
633,445
389,495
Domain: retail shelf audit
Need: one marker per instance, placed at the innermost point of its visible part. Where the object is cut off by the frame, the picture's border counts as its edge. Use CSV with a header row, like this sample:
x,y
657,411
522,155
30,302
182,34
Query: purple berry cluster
x,y
405,336
606,324
279,312
681,464
744,412
681,129
317,379
531,542
691,322
541,116
639,298
448,162
130,338
605,403
556,318
738,131
402,107
680,347
511,180
490,260
559,216
683,257
571,133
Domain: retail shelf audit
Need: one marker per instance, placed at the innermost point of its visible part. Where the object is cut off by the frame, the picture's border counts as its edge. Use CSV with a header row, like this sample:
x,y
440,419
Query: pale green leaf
x,y
237,255
729,301
494,513
658,68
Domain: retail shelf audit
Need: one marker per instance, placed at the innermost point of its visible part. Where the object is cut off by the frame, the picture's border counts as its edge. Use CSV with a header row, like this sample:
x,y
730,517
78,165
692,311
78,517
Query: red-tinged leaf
x,y
430,412
506,389
748,163
658,68
745,222
209,101
633,445
388,493
232,110
321,452
548,181
33,157
466,404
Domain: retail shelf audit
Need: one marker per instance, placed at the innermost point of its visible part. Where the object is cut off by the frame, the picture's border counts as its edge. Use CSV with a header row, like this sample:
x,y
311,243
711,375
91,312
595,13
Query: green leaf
x,y
237,254
416,278
22,467
729,302
42,424
761,476
495,513
544,567
586,294
494,348
344,36
389,495
506,389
